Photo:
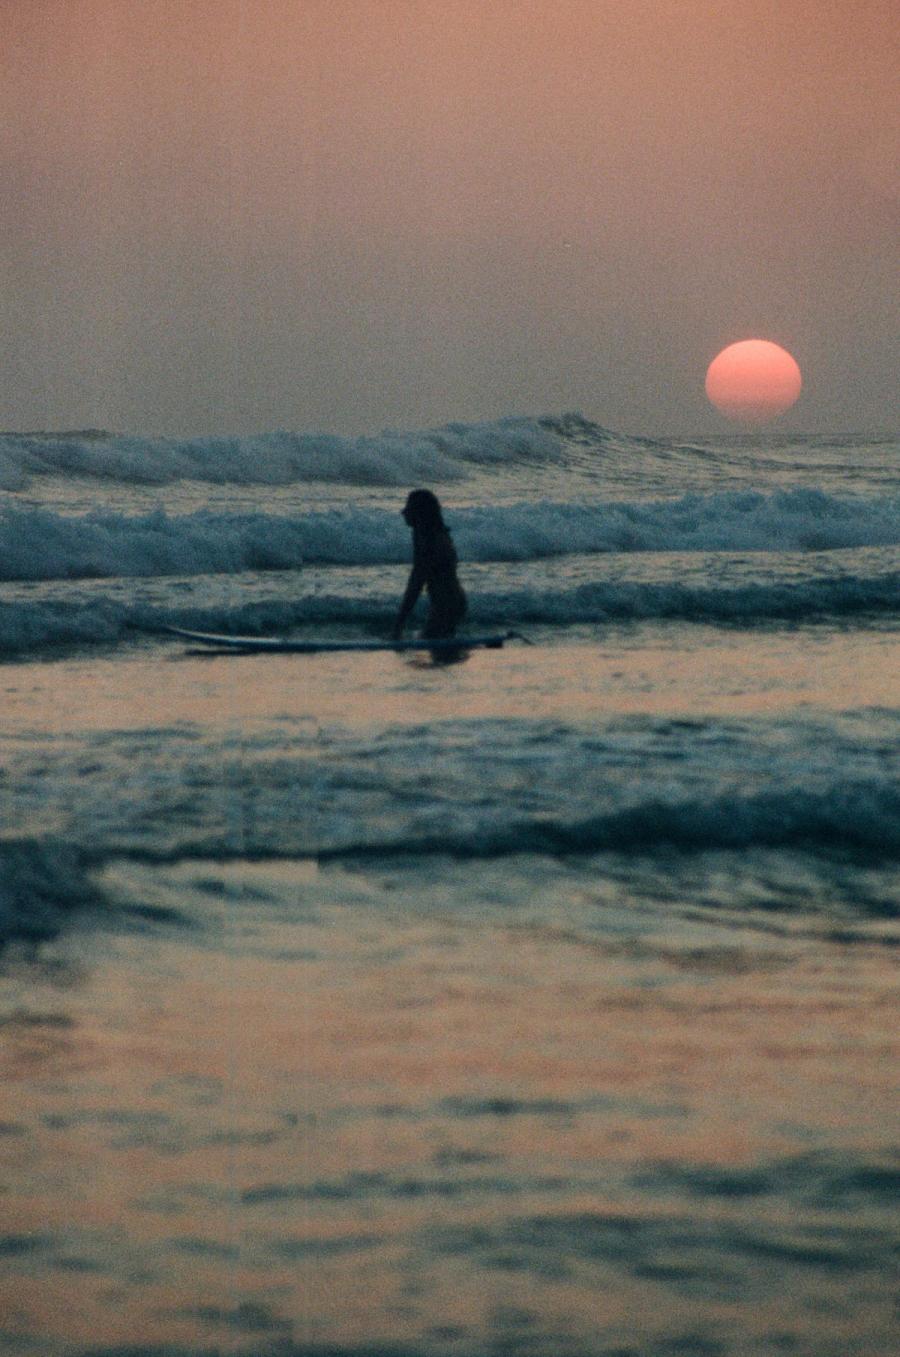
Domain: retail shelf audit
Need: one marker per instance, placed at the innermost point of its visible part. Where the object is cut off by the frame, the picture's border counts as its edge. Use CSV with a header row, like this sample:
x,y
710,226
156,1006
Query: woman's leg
x,y
441,624
438,627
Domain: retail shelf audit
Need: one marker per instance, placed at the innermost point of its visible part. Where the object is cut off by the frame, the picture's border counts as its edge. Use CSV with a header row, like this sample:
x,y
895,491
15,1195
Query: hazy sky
x,y
236,215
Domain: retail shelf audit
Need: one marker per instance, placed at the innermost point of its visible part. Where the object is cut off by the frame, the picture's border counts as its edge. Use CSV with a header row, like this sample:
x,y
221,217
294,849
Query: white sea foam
x,y
37,544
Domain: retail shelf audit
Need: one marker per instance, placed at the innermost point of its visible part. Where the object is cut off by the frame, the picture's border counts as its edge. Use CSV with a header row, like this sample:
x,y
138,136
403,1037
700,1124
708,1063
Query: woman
x,y
434,569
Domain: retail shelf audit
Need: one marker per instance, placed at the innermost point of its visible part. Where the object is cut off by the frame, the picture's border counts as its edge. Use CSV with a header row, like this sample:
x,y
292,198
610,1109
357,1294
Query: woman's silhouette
x,y
433,569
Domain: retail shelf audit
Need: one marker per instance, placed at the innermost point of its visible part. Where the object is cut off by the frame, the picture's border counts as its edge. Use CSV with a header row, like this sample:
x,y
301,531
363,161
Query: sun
x,y
753,381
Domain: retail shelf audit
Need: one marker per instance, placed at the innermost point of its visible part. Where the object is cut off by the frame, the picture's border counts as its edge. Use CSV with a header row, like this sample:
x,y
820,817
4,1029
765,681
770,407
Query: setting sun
x,y
753,381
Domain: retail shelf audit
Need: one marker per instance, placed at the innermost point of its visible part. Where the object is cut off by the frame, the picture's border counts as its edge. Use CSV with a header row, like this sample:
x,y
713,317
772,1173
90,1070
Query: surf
x,y
44,544
390,458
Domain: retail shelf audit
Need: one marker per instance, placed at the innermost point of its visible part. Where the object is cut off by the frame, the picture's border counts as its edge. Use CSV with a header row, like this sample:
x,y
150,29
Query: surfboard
x,y
280,645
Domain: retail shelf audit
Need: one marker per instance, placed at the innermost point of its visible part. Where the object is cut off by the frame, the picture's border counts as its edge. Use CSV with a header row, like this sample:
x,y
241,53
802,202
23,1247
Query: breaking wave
x,y
285,458
37,544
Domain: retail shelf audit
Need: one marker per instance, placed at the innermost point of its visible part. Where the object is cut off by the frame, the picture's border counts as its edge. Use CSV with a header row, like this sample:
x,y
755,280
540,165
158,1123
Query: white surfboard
x,y
281,645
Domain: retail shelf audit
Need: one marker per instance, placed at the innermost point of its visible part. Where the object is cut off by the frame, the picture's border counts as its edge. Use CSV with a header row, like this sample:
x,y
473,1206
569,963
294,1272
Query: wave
x,y
285,458
42,883
859,819
45,883
28,627
838,827
37,544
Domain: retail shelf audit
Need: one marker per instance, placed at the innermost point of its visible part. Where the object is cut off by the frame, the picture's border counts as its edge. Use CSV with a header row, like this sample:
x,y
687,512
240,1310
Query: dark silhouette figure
x,y
433,569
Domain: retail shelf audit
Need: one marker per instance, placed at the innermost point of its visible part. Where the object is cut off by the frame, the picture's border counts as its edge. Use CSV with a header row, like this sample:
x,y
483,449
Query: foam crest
x,y
791,520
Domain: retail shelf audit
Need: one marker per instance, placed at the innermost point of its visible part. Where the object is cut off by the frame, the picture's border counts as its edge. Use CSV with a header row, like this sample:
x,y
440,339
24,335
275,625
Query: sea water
x,y
538,1003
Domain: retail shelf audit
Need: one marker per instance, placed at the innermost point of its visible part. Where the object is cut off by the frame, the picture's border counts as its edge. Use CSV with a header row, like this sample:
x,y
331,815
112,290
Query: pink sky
x,y
345,214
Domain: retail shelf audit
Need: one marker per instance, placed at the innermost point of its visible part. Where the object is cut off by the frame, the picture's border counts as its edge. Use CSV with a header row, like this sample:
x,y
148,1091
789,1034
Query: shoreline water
x,y
379,1140
616,670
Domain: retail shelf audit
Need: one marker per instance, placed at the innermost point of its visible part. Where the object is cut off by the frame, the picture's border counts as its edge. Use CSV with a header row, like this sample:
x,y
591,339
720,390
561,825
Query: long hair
x,y
423,511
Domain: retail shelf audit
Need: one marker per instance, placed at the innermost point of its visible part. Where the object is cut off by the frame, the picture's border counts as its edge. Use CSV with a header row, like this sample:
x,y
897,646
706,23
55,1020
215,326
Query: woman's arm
x,y
410,598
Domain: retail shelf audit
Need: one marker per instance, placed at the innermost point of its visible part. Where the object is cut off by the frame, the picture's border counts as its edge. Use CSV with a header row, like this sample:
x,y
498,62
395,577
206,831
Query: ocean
x,y
538,1004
